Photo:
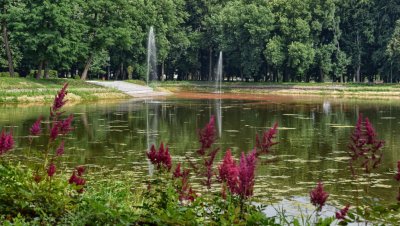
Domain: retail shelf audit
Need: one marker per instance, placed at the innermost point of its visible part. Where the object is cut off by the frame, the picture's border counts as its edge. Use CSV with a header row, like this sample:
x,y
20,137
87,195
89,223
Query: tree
x,y
393,51
106,24
245,27
5,40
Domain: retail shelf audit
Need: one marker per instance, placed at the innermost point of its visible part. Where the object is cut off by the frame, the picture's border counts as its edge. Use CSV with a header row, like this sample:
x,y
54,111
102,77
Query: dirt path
x,y
130,89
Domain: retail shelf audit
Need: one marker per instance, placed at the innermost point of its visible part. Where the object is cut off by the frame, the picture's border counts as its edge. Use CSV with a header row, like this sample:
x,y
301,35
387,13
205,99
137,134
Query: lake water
x,y
313,137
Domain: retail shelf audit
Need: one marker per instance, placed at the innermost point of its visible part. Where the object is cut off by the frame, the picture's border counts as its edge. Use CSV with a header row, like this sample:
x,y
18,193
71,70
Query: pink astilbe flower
x,y
240,178
207,136
177,173
72,178
185,191
160,158
65,125
341,214
60,149
208,163
6,142
80,170
247,168
225,168
55,130
318,196
364,146
51,170
264,145
78,180
59,101
35,129
228,173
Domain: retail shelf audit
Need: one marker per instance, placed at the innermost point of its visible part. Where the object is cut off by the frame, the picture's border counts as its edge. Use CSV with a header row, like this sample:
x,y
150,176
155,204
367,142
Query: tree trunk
x,y
46,69
8,50
358,76
162,71
122,71
210,65
87,67
39,72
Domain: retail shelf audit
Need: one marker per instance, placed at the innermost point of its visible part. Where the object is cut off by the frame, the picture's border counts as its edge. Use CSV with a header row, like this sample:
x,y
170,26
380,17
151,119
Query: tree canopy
x,y
275,40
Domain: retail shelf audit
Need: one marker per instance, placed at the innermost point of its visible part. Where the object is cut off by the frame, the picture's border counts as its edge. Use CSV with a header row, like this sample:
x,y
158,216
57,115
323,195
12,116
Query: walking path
x,y
130,88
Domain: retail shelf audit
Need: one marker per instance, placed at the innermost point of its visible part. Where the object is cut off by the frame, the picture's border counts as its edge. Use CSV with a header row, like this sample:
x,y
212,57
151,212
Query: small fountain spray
x,y
151,57
218,77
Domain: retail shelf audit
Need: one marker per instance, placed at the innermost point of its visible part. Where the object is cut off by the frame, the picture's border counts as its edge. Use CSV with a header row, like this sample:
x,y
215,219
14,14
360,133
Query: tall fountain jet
x,y
151,57
218,77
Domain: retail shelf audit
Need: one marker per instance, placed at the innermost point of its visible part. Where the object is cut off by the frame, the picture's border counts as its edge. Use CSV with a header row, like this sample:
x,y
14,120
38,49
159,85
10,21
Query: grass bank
x,y
24,90
348,90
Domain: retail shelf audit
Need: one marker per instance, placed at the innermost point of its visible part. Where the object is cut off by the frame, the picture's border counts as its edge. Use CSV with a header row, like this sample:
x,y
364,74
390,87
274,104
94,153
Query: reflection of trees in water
x,y
117,134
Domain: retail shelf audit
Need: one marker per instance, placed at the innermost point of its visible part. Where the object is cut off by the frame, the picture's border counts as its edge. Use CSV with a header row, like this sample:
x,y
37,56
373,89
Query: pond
x,y
313,138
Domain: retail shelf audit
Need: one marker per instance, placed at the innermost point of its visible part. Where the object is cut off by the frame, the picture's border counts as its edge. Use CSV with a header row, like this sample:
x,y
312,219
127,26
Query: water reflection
x,y
218,115
312,138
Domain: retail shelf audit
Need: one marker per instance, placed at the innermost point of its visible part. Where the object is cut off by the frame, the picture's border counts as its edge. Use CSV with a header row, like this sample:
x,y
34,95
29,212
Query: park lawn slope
x,y
348,90
24,90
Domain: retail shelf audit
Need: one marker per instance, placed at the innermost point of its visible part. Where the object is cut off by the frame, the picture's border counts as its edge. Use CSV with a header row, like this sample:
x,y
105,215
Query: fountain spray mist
x,y
151,57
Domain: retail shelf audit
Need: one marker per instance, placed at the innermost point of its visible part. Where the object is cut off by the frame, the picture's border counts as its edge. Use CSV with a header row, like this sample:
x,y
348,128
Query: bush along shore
x,y
45,192
24,90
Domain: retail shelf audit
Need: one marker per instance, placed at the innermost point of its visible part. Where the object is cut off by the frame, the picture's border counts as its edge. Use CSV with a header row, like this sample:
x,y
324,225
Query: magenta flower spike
x,y
318,196
59,101
160,158
341,214
36,129
60,149
207,136
51,170
6,142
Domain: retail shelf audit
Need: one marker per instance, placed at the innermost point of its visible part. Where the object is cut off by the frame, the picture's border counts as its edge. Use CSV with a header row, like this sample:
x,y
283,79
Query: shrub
x,y
7,74
52,74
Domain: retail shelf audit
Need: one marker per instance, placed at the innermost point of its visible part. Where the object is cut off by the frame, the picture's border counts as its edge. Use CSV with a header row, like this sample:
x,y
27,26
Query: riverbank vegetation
x,y
194,190
275,41
24,90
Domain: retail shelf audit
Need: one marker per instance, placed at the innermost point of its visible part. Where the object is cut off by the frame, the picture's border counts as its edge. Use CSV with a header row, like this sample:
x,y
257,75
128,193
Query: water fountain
x,y
218,77
151,57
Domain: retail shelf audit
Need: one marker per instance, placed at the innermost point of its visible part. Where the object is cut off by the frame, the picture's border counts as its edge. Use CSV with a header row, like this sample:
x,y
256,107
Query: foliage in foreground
x,y
42,192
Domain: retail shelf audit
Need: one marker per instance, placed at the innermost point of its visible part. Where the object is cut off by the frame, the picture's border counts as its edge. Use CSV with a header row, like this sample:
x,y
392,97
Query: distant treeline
x,y
261,40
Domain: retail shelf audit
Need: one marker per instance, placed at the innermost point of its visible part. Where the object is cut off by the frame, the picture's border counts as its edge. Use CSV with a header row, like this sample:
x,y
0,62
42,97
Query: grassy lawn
x,y
352,90
21,90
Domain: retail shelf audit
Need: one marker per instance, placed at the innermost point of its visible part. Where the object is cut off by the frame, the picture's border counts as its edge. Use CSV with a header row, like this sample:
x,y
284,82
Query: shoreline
x,y
32,91
350,91
16,91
